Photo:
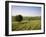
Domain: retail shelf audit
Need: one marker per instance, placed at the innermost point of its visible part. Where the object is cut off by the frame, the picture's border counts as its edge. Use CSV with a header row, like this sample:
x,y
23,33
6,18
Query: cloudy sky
x,y
25,10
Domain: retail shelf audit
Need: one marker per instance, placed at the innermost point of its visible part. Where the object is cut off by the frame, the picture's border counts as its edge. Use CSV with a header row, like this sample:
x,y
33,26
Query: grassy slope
x,y
26,25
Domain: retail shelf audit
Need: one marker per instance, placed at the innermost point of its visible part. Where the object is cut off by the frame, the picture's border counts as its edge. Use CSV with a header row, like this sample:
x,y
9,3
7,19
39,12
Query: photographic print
x,y
25,18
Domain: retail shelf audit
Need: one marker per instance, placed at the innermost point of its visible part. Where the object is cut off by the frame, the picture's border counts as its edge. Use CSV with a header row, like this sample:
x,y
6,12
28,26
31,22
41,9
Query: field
x,y
28,23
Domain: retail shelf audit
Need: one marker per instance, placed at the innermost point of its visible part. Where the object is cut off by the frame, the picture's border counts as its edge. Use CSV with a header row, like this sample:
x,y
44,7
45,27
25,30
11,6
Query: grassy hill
x,y
28,23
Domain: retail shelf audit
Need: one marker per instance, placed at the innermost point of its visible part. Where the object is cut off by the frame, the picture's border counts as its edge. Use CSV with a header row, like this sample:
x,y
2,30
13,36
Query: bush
x,y
19,18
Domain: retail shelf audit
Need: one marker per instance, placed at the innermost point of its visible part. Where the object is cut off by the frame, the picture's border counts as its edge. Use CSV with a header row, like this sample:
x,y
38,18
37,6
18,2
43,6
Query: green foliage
x,y
27,18
19,18
32,18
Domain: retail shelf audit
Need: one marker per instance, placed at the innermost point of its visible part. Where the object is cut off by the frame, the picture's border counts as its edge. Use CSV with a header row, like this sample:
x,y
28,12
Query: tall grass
x,y
28,23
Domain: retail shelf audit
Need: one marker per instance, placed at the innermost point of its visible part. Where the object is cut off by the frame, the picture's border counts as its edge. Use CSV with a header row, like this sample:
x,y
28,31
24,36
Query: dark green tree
x,y
19,18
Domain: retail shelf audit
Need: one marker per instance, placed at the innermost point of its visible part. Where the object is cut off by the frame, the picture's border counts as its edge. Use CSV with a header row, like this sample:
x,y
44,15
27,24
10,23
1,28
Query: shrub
x,y
19,18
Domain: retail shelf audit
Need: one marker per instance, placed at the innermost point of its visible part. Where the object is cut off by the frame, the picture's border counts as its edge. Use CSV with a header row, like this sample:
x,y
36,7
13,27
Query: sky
x,y
25,10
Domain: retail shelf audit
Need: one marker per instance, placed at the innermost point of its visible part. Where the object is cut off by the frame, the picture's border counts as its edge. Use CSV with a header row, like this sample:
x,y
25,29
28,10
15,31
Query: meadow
x,y
28,23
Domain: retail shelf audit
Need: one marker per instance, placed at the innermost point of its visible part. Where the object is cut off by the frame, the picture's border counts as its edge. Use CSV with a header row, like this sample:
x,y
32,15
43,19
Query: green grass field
x,y
26,24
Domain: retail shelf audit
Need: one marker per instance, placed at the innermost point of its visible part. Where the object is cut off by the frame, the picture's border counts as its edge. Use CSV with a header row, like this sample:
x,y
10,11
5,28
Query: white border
x,y
24,32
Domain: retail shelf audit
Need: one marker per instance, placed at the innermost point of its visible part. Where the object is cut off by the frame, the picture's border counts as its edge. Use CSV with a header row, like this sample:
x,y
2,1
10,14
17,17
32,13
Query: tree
x,y
19,18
